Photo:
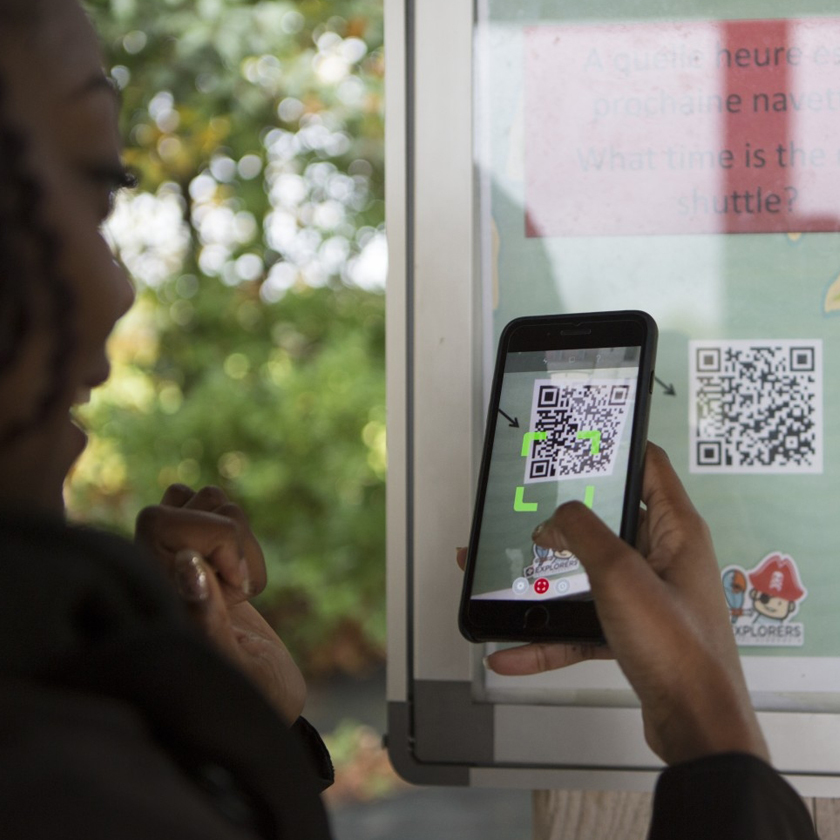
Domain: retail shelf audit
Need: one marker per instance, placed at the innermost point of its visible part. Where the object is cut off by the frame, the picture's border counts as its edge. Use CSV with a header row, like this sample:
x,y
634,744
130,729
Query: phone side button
x,y
536,618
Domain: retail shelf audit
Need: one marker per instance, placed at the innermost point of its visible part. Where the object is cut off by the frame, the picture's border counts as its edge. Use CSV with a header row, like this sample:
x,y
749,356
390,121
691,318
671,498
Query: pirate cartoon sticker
x,y
763,601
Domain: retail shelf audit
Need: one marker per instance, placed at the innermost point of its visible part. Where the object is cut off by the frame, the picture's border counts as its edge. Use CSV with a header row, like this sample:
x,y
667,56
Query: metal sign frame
x,y
446,723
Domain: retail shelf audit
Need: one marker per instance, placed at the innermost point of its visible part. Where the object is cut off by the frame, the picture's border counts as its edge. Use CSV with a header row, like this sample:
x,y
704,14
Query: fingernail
x,y
191,576
538,530
486,662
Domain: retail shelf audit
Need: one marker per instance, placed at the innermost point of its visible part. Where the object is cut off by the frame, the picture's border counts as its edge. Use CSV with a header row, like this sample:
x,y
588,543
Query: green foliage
x,y
254,357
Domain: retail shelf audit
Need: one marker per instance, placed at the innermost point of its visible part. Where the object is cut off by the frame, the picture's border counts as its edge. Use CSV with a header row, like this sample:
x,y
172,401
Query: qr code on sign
x,y
576,427
756,406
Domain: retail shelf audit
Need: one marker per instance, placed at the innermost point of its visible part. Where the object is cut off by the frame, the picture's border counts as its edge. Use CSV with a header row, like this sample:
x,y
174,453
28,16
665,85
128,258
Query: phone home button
x,y
536,618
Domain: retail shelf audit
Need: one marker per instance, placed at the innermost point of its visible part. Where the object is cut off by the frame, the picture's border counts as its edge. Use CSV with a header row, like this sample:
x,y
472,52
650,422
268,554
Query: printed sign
x,y
682,127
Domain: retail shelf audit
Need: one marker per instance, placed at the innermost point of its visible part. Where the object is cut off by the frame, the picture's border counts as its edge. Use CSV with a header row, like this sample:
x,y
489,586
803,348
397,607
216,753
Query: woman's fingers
x,y
208,522
177,495
201,593
209,551
214,500
672,521
609,561
240,633
252,552
537,657
165,531
461,558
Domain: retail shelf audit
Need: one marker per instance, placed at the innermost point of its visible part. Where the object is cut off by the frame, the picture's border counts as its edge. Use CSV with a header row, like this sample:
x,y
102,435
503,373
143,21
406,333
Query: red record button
x,y
540,586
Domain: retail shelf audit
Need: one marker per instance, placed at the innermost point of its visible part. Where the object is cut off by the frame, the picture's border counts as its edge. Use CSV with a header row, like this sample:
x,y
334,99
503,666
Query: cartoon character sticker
x,y
547,561
763,601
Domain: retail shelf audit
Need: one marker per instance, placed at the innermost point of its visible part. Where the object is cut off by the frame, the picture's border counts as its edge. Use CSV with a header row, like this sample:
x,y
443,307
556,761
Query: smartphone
x,y
567,420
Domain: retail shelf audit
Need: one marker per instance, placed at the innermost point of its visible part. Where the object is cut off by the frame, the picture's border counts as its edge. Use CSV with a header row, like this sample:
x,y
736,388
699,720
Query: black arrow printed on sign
x,y
669,389
514,421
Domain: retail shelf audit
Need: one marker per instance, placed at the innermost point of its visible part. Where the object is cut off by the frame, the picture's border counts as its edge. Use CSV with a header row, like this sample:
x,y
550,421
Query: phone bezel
x,y
566,620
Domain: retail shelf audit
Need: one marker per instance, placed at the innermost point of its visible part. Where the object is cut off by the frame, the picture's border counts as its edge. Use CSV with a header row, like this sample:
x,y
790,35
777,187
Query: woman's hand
x,y
208,550
664,617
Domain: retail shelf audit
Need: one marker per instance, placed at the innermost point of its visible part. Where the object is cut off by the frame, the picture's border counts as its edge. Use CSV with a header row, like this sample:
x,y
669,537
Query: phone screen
x,y
563,432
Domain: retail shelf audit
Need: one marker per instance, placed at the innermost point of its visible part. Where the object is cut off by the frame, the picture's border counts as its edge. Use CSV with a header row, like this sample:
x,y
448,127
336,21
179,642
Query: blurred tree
x,y
254,357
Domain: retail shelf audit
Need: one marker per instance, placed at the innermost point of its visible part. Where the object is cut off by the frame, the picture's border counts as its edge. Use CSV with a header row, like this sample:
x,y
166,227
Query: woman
x,y
117,718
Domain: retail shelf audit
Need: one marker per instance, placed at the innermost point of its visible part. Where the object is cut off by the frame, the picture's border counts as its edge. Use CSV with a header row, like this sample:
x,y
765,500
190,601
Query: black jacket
x,y
727,797
117,719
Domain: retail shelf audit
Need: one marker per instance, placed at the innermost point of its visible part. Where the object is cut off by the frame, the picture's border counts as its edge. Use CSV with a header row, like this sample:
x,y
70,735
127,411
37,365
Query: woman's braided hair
x,y
31,287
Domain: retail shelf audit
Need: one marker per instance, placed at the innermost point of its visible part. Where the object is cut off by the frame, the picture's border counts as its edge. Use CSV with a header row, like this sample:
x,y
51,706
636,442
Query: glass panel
x,y
686,162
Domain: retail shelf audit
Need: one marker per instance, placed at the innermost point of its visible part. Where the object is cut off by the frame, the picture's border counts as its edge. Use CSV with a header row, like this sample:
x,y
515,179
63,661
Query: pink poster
x,y
680,128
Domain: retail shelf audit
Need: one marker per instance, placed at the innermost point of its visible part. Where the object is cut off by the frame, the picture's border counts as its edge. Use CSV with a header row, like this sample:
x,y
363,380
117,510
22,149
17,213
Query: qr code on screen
x,y
756,406
576,427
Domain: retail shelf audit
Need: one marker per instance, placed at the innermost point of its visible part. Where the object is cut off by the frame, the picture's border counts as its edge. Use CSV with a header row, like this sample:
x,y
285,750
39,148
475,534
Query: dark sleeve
x,y
317,751
733,796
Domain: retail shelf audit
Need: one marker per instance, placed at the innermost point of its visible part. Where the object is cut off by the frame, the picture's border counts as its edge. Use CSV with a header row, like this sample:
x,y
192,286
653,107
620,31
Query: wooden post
x,y
618,815
826,813
590,815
